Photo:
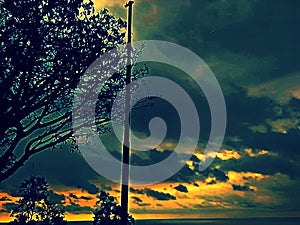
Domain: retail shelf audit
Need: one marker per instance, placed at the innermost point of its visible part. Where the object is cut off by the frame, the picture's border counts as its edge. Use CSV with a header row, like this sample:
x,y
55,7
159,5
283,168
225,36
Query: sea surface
x,y
240,221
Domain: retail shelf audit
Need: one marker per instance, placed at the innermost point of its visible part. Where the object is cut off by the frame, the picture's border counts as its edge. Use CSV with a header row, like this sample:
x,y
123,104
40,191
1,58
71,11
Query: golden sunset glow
x,y
217,195
228,154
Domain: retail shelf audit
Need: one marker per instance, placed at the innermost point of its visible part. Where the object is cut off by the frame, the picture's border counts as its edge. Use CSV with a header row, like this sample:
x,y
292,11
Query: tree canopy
x,y
46,46
34,207
108,212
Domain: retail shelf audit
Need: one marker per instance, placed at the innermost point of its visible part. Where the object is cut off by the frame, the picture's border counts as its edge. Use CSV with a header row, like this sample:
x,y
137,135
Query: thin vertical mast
x,y
126,140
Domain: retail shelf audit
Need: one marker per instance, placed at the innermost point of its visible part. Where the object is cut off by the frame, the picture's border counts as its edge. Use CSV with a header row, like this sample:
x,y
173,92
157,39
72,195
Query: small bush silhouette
x,y
34,207
108,212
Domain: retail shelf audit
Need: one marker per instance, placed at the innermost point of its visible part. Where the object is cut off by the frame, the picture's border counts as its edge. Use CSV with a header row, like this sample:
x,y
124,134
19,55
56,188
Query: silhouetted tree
x,y
34,207
45,47
108,212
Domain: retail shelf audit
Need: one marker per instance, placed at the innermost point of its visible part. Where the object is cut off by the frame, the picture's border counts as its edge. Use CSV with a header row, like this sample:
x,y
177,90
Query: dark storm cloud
x,y
71,195
154,194
160,108
295,104
139,201
149,157
181,188
217,174
59,168
245,112
212,182
77,209
245,43
196,18
237,187
144,204
163,109
136,199
195,159
136,191
246,63
268,31
85,198
264,164
185,174
159,195
246,49
245,28
284,144
153,156
5,199
8,207
56,198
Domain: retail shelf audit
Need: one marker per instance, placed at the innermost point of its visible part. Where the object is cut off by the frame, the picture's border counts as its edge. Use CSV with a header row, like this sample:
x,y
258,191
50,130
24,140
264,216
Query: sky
x,y
252,47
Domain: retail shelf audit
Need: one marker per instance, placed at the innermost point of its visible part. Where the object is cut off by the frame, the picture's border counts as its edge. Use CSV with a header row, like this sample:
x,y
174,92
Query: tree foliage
x,y
34,207
108,212
46,46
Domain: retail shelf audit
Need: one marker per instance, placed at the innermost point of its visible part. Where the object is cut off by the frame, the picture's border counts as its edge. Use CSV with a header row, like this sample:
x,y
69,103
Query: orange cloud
x,y
251,153
201,199
6,198
228,154
239,177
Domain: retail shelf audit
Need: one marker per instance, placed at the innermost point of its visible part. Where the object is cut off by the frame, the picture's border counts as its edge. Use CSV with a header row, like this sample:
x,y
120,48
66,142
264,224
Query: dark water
x,y
256,221
261,221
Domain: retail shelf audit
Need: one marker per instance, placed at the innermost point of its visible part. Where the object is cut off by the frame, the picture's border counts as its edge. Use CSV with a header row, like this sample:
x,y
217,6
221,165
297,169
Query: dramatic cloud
x,y
87,198
216,174
8,207
228,154
56,198
139,202
268,164
136,191
253,49
77,209
283,125
61,169
136,199
159,195
181,188
237,187
5,199
281,89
